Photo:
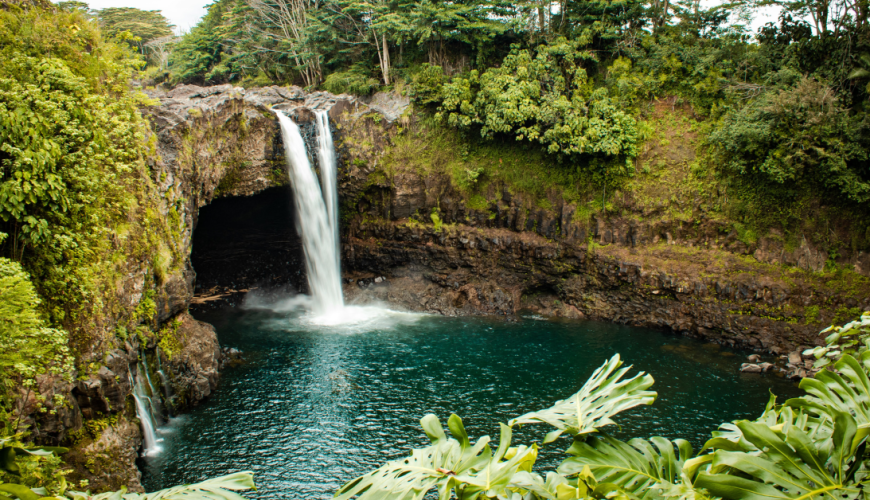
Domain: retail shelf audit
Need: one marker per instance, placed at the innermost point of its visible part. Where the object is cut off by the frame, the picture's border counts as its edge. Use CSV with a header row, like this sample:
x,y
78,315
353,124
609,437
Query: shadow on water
x,y
313,407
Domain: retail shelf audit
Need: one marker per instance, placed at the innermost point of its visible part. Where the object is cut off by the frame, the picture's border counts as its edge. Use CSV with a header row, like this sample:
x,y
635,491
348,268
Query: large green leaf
x,y
436,465
453,466
636,467
729,437
847,391
494,478
601,397
10,448
554,487
788,464
17,491
220,488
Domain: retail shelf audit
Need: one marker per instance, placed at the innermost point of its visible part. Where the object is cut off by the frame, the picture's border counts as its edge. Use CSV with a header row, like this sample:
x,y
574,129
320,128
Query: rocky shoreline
x,y
467,270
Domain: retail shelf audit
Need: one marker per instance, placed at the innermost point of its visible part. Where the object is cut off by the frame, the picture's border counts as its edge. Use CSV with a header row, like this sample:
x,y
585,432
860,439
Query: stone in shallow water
x,y
750,368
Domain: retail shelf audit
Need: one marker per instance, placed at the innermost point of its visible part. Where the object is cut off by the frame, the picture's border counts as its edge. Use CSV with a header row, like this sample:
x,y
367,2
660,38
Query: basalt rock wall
x,y
466,270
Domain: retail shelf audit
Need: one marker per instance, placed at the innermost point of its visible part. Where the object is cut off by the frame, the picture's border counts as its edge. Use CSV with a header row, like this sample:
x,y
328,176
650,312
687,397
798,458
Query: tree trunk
x,y
664,19
385,64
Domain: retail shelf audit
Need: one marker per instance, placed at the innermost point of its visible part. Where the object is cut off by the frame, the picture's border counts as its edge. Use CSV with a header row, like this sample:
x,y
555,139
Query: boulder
x,y
751,368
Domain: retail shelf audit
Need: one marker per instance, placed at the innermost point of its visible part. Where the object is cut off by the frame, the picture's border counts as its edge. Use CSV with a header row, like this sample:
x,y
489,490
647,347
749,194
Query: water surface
x,y
313,407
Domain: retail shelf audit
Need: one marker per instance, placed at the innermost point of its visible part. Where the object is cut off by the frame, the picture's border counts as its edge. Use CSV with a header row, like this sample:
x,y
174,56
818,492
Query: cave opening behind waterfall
x,y
247,242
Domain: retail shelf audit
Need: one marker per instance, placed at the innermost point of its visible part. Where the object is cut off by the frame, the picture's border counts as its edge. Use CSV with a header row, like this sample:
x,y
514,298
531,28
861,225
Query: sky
x,y
184,14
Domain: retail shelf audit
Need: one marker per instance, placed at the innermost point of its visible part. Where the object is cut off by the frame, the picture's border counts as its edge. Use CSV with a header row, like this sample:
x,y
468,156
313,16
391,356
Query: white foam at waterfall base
x,y
350,317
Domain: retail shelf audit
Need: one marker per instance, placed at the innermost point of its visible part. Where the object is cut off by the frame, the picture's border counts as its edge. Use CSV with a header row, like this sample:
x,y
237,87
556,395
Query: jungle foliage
x,y
786,110
73,181
75,195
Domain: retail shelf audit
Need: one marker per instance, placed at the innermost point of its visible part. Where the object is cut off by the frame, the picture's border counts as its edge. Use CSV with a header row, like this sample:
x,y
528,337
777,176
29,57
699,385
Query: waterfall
x,y
167,392
164,381
144,412
319,233
154,402
328,176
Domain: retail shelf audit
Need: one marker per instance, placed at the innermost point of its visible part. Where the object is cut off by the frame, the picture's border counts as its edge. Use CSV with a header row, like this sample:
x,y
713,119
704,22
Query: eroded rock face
x,y
706,293
193,370
509,251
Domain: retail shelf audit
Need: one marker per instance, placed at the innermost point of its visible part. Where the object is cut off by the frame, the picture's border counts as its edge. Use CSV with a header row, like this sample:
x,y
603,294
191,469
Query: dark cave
x,y
240,243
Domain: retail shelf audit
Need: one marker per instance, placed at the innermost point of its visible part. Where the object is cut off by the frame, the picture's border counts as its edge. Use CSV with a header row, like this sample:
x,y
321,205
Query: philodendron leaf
x,y
219,488
602,396
18,491
635,467
494,478
435,466
555,487
729,437
846,391
7,460
788,464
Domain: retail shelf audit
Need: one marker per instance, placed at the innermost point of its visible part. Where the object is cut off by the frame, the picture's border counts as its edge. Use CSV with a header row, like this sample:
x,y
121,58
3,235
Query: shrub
x,y
28,348
799,136
356,81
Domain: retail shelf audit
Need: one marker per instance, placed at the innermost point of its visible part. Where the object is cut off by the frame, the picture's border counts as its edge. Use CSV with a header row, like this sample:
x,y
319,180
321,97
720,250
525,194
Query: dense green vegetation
x,y
783,110
74,187
75,197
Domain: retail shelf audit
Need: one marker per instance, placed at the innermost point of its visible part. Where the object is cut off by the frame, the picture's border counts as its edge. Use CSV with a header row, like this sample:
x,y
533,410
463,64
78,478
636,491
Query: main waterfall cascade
x,y
318,230
317,212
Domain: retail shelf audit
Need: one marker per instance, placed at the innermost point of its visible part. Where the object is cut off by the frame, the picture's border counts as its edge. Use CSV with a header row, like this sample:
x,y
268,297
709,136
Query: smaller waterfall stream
x,y
154,402
328,175
144,411
164,381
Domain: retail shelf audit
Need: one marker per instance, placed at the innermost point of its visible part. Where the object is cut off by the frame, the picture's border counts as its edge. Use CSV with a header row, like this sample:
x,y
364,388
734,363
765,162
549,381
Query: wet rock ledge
x,y
462,270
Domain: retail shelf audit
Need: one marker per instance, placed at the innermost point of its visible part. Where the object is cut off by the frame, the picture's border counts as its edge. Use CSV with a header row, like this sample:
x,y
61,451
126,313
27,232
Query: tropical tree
x,y
143,26
286,24
439,24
